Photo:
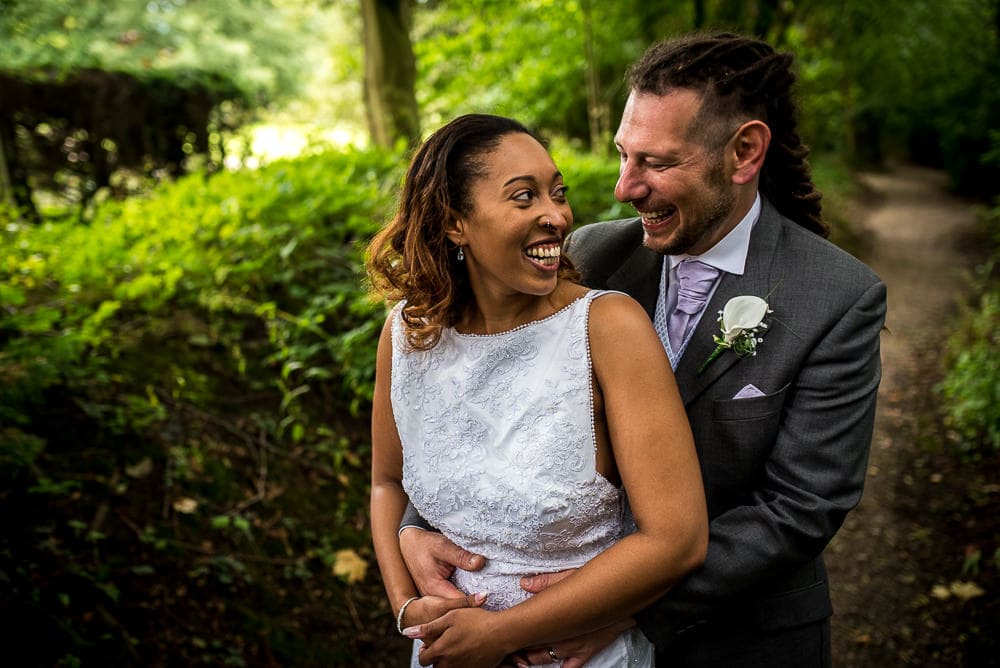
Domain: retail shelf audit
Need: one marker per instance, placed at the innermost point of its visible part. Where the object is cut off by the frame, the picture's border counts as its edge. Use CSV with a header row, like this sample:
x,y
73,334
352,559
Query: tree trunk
x,y
390,72
13,177
767,13
699,14
597,112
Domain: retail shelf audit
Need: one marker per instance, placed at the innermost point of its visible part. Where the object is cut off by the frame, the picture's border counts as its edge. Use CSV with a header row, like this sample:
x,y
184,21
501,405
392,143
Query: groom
x,y
712,162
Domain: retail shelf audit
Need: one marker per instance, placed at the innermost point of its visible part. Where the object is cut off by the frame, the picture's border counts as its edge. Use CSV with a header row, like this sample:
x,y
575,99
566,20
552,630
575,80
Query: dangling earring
x,y
460,256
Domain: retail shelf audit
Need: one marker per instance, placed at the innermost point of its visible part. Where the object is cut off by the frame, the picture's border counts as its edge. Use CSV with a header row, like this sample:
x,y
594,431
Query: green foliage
x,y
902,78
251,42
185,393
971,384
184,414
591,180
527,60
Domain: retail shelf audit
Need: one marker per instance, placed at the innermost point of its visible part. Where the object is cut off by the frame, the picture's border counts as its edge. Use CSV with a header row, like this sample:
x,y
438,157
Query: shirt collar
x,y
730,253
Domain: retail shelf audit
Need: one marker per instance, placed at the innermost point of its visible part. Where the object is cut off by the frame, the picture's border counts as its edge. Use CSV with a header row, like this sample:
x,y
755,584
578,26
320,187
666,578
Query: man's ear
x,y
749,148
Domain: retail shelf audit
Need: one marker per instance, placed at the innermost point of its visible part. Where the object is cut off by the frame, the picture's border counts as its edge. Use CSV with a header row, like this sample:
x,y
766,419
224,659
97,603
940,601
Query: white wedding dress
x,y
499,454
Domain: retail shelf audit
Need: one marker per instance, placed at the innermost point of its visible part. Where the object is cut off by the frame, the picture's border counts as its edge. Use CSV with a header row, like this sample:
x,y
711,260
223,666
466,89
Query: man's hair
x,y
739,79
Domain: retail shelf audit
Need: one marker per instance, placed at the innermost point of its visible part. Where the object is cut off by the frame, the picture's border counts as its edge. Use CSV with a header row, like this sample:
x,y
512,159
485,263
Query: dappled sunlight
x,y
273,141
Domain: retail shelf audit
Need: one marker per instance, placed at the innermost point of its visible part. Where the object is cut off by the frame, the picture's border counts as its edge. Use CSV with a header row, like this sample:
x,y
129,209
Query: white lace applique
x,y
499,450
499,447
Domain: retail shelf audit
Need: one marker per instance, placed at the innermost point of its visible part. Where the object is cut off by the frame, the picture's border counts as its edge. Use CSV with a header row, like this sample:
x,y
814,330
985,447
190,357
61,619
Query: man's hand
x,y
574,652
431,558
542,581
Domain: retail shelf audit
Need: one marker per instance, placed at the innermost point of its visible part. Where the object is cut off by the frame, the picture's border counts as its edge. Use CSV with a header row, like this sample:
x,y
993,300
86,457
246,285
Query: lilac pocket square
x,y
748,392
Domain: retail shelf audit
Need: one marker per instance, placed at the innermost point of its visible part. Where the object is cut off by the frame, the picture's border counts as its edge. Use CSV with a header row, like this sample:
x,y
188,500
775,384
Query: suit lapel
x,y
757,280
639,276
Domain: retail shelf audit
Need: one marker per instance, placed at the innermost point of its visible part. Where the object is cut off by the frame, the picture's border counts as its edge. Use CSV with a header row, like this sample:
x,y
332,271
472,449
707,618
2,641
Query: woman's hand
x,y
428,608
465,638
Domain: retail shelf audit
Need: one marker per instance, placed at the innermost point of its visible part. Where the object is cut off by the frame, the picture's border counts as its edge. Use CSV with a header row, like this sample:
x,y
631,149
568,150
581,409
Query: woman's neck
x,y
488,314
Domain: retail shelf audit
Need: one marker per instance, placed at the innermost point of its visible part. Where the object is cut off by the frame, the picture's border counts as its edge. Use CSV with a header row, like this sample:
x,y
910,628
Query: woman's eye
x,y
524,196
560,193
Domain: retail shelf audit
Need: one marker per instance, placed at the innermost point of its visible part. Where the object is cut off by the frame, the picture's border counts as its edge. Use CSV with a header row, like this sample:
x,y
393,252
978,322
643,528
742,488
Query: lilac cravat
x,y
694,283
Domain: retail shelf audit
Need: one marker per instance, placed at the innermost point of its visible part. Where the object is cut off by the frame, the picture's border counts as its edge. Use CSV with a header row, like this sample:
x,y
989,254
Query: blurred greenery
x,y
186,343
970,388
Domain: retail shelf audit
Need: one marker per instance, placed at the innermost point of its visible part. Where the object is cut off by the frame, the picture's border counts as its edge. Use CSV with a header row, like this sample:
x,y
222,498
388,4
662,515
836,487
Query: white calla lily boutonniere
x,y
742,324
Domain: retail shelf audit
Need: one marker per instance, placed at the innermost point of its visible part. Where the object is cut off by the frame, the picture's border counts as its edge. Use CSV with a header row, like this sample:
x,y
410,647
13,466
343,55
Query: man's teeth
x,y
652,215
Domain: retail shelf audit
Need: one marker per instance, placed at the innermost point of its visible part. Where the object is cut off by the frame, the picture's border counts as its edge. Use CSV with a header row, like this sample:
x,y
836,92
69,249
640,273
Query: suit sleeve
x,y
813,476
411,518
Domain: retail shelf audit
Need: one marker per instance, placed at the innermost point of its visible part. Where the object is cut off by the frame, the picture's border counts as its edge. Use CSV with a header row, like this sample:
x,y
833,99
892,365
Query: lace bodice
x,y
499,450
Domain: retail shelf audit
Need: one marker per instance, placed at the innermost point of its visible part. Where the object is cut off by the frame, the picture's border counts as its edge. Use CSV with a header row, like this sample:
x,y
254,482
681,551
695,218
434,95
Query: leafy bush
x,y
971,384
184,417
591,179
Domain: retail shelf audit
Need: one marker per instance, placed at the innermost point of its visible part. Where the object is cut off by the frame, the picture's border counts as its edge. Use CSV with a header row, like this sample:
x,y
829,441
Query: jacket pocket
x,y
754,408
794,608
739,439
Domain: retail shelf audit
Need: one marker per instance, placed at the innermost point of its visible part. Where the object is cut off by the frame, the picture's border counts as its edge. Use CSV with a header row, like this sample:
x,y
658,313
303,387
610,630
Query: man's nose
x,y
630,186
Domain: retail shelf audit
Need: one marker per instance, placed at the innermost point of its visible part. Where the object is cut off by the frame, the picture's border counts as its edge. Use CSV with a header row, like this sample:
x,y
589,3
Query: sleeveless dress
x,y
499,454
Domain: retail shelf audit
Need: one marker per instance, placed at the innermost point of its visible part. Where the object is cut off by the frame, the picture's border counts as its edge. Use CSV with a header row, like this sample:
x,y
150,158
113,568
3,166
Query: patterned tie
x,y
694,283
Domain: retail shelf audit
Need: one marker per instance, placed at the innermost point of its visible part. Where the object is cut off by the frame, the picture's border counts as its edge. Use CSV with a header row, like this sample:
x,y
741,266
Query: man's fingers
x,y
446,551
540,657
443,588
536,657
470,601
463,559
542,581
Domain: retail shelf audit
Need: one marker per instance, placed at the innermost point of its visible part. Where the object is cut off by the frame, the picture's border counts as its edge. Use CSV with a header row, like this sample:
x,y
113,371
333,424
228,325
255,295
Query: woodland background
x,y
186,342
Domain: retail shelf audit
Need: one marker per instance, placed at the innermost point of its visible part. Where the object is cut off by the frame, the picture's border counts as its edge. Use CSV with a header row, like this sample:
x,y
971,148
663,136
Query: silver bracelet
x,y
402,609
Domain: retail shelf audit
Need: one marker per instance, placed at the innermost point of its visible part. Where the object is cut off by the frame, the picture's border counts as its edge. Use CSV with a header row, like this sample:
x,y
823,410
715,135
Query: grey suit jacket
x,y
782,470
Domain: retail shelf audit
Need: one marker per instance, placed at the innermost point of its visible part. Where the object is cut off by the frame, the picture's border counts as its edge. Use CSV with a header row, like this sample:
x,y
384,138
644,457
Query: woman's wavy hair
x,y
740,79
411,257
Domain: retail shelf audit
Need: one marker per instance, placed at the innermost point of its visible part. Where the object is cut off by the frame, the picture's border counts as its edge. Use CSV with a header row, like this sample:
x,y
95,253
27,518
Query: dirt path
x,y
891,551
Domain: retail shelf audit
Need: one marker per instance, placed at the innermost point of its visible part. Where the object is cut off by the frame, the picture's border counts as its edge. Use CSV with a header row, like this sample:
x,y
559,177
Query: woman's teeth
x,y
547,255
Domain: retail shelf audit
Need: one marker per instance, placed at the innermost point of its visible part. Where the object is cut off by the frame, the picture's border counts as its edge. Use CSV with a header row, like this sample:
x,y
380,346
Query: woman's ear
x,y
456,231
749,150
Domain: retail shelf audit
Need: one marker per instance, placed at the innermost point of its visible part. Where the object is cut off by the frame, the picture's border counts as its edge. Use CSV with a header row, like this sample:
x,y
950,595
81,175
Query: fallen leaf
x,y
185,505
941,592
966,590
349,565
141,469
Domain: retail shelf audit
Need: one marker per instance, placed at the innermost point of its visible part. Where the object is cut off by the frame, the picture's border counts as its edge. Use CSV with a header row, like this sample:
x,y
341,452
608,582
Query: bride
x,y
515,409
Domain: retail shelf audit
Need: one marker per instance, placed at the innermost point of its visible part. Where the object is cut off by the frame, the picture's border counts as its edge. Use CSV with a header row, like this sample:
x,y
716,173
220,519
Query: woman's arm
x,y
654,451
388,501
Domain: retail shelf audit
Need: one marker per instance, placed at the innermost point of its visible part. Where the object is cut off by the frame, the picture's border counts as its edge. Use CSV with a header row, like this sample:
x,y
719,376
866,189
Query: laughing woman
x,y
516,409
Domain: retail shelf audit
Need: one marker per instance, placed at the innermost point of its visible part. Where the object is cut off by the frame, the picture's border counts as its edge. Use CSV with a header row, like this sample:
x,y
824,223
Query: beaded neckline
x,y
530,323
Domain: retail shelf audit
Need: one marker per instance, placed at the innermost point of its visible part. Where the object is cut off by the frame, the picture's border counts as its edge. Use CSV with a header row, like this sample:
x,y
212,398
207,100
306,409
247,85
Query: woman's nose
x,y
561,220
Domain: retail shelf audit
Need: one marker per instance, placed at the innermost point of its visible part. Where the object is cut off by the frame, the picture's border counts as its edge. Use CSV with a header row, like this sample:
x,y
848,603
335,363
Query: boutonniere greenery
x,y
743,326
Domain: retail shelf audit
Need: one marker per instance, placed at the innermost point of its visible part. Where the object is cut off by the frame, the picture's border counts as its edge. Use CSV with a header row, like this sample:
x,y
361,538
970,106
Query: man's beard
x,y
714,209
